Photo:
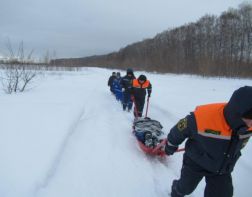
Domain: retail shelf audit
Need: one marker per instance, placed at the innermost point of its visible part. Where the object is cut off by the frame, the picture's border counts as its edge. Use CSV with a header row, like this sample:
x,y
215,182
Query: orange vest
x,y
211,122
136,84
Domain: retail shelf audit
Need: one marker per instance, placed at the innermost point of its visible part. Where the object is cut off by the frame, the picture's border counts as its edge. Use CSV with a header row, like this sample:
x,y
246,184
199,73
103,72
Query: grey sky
x,y
78,28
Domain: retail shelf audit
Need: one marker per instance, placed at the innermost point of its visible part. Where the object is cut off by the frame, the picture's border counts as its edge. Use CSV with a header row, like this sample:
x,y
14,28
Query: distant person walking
x,y
110,81
126,84
139,88
117,87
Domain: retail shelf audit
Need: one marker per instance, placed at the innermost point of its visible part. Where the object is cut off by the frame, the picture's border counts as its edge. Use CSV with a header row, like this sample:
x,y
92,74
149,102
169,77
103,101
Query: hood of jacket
x,y
239,103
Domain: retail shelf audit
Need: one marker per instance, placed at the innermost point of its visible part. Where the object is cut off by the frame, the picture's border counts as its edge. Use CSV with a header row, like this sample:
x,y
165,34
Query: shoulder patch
x,y
182,124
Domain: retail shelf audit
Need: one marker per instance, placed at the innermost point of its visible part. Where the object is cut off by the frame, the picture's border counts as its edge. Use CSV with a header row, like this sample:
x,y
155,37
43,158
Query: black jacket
x,y
111,79
216,155
139,90
126,83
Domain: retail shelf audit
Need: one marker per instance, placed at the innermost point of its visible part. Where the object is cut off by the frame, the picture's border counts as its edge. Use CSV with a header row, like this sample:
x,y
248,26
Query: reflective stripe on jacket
x,y
210,141
211,122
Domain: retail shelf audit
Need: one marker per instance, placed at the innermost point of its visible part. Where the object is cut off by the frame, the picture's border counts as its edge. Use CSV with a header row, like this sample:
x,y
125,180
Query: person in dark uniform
x,y
110,81
215,135
139,88
126,84
117,87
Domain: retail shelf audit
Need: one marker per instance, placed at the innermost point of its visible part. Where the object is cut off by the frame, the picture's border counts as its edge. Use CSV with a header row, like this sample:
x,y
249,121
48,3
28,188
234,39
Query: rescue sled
x,y
158,150
150,136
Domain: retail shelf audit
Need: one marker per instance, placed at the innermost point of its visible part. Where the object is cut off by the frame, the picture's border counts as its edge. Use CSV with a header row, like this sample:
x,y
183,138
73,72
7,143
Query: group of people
x,y
214,133
129,89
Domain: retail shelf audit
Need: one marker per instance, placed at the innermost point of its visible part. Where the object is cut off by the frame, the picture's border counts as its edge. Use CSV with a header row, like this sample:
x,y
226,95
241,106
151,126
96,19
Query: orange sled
x,y
158,150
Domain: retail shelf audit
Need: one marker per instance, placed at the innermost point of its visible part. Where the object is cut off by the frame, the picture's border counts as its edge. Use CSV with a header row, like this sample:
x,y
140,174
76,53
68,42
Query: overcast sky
x,y
78,28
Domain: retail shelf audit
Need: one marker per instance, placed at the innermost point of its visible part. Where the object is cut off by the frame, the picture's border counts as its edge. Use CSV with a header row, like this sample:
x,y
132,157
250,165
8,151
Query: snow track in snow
x,y
51,172
110,139
71,137
81,116
88,159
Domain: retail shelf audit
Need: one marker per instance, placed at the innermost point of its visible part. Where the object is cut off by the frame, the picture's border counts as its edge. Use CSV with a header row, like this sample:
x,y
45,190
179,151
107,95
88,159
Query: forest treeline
x,y
212,46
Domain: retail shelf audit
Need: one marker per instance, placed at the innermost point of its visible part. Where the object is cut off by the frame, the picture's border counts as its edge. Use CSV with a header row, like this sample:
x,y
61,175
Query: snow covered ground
x,y
68,136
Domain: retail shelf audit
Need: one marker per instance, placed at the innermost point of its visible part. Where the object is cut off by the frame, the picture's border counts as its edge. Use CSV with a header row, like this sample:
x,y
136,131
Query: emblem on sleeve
x,y
182,124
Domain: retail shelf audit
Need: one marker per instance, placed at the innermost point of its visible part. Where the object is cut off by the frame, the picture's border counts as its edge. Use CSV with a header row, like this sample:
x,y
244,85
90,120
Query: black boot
x,y
174,192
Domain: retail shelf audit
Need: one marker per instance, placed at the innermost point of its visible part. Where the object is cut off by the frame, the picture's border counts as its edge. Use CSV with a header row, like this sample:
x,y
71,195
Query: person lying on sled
x,y
148,131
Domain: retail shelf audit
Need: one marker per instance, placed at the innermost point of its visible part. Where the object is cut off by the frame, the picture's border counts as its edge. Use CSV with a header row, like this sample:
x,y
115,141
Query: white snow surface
x,y
69,137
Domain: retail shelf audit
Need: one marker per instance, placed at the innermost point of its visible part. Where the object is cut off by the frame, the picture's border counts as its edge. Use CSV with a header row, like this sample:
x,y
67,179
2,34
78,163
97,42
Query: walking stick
x,y
147,107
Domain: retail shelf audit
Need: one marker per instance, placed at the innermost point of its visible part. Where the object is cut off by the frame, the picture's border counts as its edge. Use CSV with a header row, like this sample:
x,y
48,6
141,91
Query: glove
x,y
149,93
169,149
123,89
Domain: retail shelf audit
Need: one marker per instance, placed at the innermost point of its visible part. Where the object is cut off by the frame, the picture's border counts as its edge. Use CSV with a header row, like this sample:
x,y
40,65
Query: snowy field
x,y
68,137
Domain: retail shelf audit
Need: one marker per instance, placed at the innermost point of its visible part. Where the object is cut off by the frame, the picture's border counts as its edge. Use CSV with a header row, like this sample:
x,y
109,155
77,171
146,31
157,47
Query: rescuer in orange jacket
x,y
139,87
215,135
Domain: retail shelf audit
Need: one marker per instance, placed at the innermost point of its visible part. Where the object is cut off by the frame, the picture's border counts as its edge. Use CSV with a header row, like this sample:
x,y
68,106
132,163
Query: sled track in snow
x,y
53,169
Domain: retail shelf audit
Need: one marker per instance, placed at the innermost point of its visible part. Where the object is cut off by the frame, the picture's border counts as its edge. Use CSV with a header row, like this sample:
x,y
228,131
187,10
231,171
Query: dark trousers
x,y
127,102
191,174
139,105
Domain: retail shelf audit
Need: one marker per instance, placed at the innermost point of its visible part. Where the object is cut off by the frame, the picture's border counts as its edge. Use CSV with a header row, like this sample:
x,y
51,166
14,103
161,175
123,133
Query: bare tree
x,y
17,72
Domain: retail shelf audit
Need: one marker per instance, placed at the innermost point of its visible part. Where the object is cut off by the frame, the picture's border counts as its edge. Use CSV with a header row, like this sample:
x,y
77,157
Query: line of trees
x,y
212,46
